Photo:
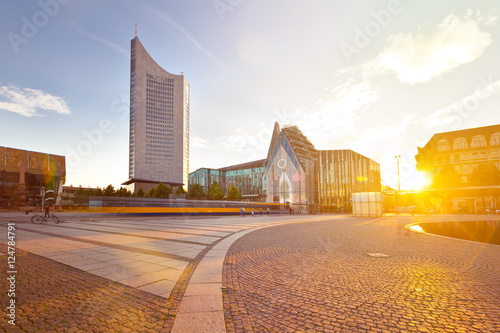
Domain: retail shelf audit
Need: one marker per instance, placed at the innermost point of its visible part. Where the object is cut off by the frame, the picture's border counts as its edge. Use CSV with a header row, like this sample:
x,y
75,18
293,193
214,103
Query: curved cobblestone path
x,y
319,277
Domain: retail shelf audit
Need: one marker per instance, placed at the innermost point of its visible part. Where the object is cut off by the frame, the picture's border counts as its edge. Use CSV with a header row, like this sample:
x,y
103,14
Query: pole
x,y
399,180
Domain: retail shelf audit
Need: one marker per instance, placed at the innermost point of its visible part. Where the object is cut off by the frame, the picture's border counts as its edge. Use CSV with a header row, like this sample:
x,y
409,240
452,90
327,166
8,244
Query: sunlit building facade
x,y
460,153
344,172
159,121
246,177
295,172
26,175
290,171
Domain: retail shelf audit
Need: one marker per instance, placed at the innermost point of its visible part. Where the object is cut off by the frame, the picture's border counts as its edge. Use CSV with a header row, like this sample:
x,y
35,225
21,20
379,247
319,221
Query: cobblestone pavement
x,y
53,297
109,273
360,275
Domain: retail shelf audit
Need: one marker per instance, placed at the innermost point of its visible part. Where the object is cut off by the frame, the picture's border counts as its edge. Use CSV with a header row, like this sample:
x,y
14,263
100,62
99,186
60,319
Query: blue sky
x,y
378,77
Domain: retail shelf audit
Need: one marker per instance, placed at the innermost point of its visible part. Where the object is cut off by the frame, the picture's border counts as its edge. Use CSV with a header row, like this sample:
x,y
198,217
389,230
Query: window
x,y
460,143
478,141
443,145
495,140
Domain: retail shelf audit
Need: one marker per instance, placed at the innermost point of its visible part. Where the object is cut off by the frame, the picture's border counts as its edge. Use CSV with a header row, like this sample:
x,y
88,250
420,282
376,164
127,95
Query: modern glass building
x,y
296,172
340,173
247,177
159,121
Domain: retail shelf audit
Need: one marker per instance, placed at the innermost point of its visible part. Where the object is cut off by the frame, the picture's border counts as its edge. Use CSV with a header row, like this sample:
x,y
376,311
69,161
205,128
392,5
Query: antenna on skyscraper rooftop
x,y
136,30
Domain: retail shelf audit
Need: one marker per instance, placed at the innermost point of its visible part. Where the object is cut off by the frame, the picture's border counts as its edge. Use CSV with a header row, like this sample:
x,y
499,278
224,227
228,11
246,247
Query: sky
x,y
377,77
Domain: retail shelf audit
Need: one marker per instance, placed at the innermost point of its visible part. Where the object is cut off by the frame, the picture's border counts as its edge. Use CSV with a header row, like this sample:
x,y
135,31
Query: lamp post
x,y
399,181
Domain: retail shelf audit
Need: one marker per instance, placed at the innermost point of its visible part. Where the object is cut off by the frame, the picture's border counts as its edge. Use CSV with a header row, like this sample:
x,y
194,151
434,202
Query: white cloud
x,y
457,112
385,134
197,142
28,102
420,57
337,111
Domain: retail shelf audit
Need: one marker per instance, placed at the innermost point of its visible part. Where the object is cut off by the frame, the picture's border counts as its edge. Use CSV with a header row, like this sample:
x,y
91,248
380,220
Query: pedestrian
x,y
252,212
268,211
242,211
260,211
47,211
26,210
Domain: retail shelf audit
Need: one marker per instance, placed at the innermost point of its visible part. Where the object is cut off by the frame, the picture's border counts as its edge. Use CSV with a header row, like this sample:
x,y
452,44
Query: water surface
x,y
479,231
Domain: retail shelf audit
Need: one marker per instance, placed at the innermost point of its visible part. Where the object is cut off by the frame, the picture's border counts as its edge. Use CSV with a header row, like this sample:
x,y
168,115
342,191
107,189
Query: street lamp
x,y
399,181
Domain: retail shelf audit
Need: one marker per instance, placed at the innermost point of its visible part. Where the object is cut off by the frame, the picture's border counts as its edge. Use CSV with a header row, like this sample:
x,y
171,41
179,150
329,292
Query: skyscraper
x,y
159,121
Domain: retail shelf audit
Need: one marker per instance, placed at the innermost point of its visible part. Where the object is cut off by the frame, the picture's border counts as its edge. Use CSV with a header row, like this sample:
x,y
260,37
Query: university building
x,y
26,175
247,177
159,123
464,168
296,172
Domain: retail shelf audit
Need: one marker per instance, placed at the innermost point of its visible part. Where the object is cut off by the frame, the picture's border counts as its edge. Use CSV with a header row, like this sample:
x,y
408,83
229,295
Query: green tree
x,y
163,191
215,192
196,192
484,174
109,191
123,192
180,190
446,178
152,192
81,193
99,192
140,193
234,194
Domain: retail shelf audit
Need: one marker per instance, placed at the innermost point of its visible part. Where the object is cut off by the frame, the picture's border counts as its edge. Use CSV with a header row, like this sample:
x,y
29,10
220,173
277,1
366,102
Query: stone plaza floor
x,y
325,273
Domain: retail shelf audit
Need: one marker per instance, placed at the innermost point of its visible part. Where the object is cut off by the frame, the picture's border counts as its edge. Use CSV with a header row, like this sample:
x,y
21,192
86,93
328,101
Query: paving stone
x,y
281,278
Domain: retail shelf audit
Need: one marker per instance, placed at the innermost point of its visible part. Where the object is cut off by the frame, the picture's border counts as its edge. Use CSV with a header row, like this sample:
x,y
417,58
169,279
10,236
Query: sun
x,y
418,181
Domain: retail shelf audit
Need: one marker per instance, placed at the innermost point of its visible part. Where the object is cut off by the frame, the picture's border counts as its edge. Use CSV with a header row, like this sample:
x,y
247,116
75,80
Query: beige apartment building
x,y
459,156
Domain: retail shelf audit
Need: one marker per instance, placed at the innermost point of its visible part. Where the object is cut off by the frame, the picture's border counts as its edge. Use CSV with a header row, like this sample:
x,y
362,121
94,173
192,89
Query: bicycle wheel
x,y
37,219
54,219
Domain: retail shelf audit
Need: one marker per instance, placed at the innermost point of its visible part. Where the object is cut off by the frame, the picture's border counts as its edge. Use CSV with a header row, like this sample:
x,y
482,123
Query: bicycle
x,y
40,218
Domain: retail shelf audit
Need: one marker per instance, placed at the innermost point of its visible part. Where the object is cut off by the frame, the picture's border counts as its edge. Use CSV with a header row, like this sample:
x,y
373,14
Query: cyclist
x,y
47,211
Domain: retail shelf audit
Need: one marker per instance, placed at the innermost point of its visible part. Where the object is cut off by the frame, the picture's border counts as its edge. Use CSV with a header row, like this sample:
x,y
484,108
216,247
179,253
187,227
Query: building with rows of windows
x,y
159,123
296,172
26,175
460,156
247,177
